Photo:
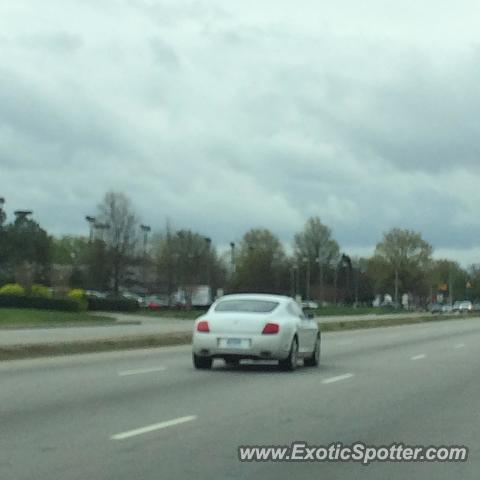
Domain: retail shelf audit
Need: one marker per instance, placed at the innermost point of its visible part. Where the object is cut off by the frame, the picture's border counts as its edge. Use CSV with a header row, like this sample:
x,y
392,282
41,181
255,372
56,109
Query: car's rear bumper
x,y
275,347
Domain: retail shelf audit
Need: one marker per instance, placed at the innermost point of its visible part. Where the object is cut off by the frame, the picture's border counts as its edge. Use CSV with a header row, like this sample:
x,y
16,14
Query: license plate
x,y
234,343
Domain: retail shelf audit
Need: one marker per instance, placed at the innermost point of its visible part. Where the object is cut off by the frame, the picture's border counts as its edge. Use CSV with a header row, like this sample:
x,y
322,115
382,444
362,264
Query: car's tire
x,y
202,363
290,363
314,359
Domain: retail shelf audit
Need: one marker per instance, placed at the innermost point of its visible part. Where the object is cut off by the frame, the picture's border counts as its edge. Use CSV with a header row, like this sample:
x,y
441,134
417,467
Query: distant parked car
x,y
435,308
133,296
447,308
155,302
464,306
95,294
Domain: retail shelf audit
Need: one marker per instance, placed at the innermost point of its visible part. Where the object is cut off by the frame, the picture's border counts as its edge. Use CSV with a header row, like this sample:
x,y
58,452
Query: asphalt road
x,y
83,417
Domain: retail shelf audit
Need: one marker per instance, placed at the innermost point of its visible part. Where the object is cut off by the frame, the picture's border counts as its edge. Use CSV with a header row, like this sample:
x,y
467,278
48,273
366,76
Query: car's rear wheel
x,y
202,363
314,359
290,363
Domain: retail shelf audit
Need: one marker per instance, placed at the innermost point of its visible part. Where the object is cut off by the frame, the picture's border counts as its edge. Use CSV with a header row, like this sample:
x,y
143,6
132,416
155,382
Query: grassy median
x,y
167,339
319,312
385,322
173,313
341,311
20,317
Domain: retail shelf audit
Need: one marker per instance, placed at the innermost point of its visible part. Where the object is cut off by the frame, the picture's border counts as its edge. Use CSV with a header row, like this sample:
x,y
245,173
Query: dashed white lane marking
x,y
338,379
459,345
139,371
152,428
418,357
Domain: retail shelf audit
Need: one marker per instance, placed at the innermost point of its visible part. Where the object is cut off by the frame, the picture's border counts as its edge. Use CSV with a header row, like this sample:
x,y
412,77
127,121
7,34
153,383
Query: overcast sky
x,y
225,115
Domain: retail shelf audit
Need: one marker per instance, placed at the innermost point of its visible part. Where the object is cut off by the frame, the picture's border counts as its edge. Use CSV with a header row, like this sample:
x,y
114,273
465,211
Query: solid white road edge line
x,y
418,357
338,379
152,428
138,371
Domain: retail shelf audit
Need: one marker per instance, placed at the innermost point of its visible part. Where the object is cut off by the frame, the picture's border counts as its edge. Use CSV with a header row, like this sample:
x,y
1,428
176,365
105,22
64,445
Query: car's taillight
x,y
271,328
203,326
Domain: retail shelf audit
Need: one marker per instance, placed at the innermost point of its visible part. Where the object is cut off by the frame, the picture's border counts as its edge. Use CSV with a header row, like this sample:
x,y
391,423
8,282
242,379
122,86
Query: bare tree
x,y
316,248
119,226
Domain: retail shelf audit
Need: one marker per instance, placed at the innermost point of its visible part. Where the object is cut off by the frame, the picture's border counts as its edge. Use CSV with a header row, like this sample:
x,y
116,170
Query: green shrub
x,y
12,289
76,294
60,304
113,304
40,291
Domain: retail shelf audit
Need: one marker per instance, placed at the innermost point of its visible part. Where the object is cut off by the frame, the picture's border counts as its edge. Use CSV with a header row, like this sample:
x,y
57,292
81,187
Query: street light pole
x,y
208,242
146,230
320,274
297,280
232,257
2,213
306,260
292,282
22,214
91,222
396,286
102,227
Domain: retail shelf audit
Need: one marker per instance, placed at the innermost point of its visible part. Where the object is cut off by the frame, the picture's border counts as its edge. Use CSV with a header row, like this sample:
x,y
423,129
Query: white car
x,y
463,306
256,326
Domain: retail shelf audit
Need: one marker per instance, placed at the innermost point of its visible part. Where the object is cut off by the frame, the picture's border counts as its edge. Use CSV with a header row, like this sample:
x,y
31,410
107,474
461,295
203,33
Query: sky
x,y
225,115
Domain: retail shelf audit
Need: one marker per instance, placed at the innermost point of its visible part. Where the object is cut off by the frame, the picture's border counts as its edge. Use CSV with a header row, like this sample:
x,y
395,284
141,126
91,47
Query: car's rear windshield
x,y
248,306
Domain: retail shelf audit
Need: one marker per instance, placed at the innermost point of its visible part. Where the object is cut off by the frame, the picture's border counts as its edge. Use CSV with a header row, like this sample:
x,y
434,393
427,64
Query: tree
x,y
402,260
25,250
99,267
186,259
261,264
70,250
448,277
316,247
119,226
3,215
474,282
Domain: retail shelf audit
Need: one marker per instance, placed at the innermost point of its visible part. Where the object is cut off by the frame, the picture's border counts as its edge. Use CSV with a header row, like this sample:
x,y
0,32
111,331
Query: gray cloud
x,y
59,42
222,117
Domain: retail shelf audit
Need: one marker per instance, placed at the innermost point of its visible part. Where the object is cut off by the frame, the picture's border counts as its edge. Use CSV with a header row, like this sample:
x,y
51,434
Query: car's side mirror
x,y
310,315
